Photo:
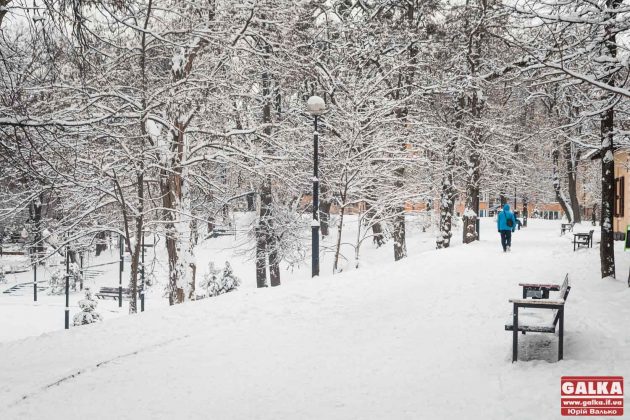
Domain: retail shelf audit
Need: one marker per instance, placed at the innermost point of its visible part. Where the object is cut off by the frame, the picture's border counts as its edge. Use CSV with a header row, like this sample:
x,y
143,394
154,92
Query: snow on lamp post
x,y
142,278
316,107
121,245
67,308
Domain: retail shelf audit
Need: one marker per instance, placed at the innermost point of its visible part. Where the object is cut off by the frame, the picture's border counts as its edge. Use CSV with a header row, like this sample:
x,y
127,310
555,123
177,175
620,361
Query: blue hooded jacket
x,y
503,217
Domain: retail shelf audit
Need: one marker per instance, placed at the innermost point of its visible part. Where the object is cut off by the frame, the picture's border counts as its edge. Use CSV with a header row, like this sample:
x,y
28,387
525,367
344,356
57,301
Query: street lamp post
x,y
316,106
142,273
67,309
81,271
121,249
35,281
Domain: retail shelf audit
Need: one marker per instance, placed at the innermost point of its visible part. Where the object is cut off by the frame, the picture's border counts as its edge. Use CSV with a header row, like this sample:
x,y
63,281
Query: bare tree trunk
x,y
572,158
101,242
176,194
266,198
338,246
472,198
342,212
399,231
263,240
3,9
399,234
261,258
357,247
370,216
560,197
251,201
135,254
447,199
324,215
176,202
474,103
606,245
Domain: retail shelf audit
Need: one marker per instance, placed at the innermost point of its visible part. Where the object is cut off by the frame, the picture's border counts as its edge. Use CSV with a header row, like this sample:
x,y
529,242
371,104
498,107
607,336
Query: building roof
x,y
596,154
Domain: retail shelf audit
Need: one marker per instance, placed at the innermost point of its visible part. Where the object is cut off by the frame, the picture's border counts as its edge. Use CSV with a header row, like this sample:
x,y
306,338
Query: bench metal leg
x,y
560,333
515,334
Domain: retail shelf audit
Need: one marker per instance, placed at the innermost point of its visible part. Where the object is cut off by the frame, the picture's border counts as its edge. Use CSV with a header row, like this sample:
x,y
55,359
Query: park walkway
x,y
422,338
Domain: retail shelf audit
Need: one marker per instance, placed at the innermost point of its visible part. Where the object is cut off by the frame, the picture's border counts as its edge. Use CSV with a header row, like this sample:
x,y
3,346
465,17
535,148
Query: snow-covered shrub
x,y
218,284
57,279
211,279
88,314
57,282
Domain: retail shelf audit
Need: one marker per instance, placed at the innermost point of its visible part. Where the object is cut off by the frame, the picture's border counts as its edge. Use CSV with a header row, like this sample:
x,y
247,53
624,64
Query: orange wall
x,y
622,162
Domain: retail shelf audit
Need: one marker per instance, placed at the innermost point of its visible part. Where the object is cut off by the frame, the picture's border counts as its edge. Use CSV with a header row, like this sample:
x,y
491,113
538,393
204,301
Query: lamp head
x,y
316,105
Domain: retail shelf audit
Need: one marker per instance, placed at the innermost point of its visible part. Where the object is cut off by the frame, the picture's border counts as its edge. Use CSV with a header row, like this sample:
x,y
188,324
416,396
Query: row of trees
x,y
137,116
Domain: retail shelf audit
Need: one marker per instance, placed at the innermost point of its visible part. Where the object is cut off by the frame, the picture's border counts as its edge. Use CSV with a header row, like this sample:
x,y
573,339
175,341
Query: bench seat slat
x,y
553,287
113,293
531,328
534,320
539,302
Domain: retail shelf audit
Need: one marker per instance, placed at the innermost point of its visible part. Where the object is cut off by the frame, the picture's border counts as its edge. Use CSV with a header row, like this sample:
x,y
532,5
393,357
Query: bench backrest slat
x,y
113,290
562,294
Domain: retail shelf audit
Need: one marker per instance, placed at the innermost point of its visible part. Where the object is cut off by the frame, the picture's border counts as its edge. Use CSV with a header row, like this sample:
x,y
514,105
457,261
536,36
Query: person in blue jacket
x,y
506,223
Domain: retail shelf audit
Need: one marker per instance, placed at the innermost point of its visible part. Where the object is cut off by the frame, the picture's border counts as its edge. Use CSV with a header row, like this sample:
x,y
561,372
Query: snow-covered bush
x,y
88,314
217,282
211,279
57,282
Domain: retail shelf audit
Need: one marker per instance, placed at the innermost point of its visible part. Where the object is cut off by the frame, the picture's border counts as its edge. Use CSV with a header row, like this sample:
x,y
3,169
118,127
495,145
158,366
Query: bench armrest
x,y
542,302
554,287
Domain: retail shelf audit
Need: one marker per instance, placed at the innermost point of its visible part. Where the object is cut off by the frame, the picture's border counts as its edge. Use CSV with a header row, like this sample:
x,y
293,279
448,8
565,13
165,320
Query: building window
x,y
619,196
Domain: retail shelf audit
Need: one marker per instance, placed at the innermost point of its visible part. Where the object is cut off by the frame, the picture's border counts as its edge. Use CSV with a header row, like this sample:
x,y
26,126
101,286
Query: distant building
x,y
489,207
621,213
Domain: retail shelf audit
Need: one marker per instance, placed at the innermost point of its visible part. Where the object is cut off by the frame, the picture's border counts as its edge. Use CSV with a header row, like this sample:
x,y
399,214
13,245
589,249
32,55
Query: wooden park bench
x,y
566,227
583,239
112,293
537,320
220,231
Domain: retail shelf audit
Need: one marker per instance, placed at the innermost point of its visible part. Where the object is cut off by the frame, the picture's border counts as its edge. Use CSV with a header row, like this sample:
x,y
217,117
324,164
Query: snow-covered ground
x,y
24,318
422,338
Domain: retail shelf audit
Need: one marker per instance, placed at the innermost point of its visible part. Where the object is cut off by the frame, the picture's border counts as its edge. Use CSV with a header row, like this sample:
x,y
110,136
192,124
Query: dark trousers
x,y
506,238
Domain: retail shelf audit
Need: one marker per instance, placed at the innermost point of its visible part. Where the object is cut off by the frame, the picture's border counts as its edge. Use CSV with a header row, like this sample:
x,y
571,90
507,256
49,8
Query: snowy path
x,y
418,339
